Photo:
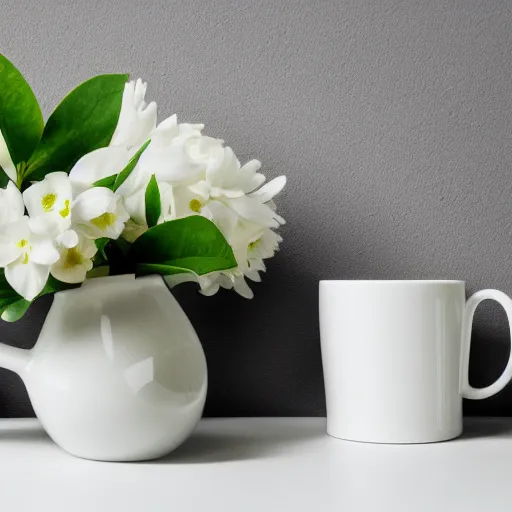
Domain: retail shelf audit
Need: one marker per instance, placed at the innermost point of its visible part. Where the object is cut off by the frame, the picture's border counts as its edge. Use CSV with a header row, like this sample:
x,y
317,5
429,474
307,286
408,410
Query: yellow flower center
x,y
65,211
48,201
254,244
104,221
25,259
195,205
22,243
73,258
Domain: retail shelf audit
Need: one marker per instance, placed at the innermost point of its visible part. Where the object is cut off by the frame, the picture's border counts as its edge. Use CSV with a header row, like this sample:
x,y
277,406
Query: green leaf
x,y
123,175
21,121
117,252
100,244
16,310
164,270
101,271
191,244
84,121
4,179
107,182
114,181
100,258
7,295
153,205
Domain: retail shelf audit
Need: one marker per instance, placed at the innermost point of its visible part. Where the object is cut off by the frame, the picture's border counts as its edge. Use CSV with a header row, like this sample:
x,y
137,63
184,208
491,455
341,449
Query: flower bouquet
x,y
102,189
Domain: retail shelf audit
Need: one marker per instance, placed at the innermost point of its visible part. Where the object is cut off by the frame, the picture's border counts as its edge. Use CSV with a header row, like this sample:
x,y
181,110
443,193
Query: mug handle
x,y
467,390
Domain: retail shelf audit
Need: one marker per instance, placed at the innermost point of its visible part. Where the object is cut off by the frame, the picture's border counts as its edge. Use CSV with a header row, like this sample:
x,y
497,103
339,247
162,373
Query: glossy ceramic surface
x,y
395,357
118,372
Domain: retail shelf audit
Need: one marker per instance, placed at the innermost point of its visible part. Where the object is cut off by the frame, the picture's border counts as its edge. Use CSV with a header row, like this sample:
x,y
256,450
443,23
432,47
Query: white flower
x,y
49,203
251,245
203,178
74,262
236,188
58,235
186,203
198,176
25,256
180,153
53,211
98,212
230,279
177,155
136,122
137,119
263,247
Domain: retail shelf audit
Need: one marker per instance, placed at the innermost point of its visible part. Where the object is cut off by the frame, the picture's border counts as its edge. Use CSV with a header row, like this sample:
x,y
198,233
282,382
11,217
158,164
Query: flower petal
x,y
242,288
201,189
249,178
88,248
269,190
226,280
256,181
169,164
8,254
135,205
75,262
72,275
167,204
109,223
48,195
253,275
251,167
222,216
227,192
68,239
10,237
11,204
43,251
176,279
223,172
50,224
97,165
251,209
138,178
92,203
136,119
27,279
6,162
210,290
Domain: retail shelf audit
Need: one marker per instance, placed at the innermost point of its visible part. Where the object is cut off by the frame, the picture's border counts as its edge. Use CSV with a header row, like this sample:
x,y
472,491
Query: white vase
x,y
118,373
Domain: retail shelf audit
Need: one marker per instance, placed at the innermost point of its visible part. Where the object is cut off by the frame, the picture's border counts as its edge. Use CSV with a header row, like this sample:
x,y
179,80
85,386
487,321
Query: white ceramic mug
x,y
395,357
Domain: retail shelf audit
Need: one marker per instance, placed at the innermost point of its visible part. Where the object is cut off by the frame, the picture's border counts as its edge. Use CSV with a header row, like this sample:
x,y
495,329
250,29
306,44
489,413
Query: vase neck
x,y
108,280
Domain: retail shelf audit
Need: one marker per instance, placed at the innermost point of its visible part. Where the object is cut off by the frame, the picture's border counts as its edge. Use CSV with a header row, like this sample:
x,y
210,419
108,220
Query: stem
x,y
20,174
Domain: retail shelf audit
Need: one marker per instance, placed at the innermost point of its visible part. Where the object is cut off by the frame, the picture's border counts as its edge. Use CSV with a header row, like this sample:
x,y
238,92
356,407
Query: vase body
x,y
118,373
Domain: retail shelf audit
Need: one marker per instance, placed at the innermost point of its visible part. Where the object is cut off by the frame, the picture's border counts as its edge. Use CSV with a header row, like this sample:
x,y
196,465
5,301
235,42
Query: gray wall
x,y
391,119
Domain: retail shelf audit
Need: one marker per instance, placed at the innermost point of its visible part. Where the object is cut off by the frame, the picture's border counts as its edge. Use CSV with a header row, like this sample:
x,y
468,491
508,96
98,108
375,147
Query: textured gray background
x,y
391,119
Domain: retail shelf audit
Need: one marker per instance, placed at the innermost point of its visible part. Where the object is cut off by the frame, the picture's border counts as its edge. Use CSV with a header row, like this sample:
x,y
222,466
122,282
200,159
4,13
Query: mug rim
x,y
393,281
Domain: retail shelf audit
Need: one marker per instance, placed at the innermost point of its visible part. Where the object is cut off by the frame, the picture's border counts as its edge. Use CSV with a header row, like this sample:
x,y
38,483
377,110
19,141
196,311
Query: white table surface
x,y
263,464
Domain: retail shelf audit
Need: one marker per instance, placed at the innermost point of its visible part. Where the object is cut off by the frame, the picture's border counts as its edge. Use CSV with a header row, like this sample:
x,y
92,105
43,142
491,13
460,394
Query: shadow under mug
x,y
395,357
